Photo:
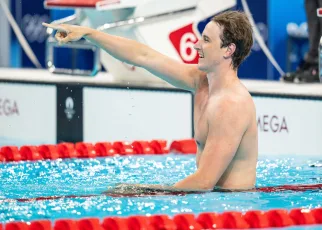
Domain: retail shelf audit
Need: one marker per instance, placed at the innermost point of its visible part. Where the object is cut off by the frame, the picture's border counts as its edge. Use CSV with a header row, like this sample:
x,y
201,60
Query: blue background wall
x,y
281,12
29,17
255,66
272,17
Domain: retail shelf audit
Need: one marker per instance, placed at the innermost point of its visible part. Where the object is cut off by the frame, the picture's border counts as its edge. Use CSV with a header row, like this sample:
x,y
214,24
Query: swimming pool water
x,y
93,176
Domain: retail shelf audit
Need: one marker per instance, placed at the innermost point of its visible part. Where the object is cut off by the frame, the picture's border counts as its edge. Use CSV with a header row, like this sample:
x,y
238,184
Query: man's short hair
x,y
236,29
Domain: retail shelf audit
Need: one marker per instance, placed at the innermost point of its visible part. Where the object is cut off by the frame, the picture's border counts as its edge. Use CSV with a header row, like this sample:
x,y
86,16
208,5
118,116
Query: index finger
x,y
53,26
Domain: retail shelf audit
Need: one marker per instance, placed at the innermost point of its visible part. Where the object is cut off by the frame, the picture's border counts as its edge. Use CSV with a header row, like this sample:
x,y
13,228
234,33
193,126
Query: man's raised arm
x,y
174,72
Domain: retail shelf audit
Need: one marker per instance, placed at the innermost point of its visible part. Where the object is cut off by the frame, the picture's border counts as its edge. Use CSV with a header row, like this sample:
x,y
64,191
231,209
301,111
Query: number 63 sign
x,y
183,41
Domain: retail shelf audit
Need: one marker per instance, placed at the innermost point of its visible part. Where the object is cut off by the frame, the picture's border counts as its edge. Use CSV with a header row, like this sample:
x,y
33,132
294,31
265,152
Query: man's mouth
x,y
200,54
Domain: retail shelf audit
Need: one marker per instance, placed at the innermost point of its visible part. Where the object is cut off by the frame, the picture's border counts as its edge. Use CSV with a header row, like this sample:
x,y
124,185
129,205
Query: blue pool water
x,y
93,176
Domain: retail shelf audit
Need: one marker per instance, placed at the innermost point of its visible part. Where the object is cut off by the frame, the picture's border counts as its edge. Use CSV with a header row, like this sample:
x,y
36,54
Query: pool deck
x,y
106,79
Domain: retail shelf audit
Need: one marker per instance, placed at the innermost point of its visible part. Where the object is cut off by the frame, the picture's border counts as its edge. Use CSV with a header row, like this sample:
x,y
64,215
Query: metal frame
x,y
51,44
141,20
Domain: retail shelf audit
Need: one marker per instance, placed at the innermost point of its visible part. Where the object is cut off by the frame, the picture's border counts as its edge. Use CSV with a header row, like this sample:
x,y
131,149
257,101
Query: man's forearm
x,y
124,49
193,182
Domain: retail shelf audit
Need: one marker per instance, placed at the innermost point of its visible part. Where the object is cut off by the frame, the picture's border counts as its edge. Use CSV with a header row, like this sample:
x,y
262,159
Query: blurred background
x,y
281,23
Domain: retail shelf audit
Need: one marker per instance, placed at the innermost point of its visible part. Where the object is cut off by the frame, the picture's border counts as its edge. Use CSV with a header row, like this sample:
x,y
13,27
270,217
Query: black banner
x,y
69,113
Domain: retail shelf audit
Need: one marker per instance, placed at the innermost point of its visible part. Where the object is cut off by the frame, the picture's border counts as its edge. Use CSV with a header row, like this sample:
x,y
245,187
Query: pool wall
x,y
37,107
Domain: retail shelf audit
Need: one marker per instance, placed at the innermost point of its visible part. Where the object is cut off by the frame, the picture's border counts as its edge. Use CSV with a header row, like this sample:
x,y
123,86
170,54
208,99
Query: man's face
x,y
209,47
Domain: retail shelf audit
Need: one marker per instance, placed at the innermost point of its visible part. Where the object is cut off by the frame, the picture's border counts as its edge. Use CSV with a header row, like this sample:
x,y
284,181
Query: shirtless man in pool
x,y
224,112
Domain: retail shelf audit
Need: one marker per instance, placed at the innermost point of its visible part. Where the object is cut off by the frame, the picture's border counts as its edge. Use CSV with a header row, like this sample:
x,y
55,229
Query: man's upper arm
x,y
227,125
174,72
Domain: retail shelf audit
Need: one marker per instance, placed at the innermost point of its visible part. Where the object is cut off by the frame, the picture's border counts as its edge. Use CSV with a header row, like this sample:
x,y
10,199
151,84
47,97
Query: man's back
x,y
241,171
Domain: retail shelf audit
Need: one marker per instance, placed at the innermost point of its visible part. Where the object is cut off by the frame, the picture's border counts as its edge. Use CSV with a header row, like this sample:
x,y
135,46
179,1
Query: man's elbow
x,y
144,57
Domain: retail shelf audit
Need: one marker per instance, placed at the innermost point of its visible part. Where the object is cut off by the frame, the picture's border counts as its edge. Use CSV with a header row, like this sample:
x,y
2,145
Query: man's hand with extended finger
x,y
68,33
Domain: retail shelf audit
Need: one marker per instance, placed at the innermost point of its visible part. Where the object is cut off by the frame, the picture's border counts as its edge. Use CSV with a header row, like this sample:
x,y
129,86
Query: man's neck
x,y
221,78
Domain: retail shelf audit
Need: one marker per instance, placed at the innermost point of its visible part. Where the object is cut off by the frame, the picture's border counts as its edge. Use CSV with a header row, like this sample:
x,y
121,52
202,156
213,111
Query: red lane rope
x,y
89,150
209,220
296,188
282,188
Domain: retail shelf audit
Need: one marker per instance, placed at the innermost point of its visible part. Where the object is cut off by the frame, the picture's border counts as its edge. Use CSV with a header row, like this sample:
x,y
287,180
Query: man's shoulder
x,y
229,99
231,104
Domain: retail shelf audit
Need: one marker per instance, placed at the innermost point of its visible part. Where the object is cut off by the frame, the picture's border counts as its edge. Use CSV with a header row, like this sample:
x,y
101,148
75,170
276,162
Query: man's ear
x,y
231,48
